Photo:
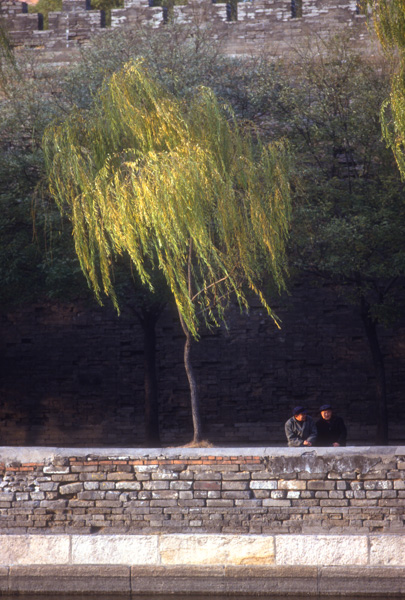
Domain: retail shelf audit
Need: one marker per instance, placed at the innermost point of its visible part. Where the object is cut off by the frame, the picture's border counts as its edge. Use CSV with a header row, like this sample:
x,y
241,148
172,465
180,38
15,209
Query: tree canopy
x,y
389,23
177,187
348,225
142,173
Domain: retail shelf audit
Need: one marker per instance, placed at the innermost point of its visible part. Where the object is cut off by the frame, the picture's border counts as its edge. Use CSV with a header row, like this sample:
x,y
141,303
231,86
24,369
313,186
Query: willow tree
x,y
389,23
179,188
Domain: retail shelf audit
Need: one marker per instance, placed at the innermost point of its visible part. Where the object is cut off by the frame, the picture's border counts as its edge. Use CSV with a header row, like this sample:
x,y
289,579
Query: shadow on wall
x,y
74,377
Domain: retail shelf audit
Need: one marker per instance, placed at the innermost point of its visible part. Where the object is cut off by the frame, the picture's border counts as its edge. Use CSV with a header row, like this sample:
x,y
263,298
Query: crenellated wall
x,y
260,24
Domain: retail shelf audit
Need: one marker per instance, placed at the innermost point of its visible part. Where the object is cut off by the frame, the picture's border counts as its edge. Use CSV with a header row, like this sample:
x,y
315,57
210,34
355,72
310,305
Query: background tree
x,y
177,187
389,22
349,216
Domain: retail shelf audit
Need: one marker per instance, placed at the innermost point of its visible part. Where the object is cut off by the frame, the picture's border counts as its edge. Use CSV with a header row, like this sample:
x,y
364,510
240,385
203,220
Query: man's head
x,y
326,412
300,413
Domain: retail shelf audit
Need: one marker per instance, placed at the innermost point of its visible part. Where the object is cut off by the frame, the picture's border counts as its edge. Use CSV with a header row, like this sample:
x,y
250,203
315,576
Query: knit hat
x,y
299,410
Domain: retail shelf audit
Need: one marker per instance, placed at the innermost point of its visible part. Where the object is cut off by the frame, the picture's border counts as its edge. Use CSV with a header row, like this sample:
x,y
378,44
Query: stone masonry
x,y
227,491
256,26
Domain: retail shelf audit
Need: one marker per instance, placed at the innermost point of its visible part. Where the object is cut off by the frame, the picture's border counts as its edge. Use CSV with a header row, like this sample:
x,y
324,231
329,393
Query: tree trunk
x,y
195,401
148,321
378,361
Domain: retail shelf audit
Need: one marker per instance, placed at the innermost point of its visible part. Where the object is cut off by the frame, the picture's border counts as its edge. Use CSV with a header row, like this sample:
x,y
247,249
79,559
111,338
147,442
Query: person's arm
x,y
313,432
342,433
291,434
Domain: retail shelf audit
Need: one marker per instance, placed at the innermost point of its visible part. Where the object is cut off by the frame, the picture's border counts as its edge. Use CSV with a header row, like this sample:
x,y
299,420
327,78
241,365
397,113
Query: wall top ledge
x,y
42,454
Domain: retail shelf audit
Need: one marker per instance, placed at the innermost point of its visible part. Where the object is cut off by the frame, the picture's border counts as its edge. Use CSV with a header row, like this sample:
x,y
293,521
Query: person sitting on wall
x,y
300,429
331,429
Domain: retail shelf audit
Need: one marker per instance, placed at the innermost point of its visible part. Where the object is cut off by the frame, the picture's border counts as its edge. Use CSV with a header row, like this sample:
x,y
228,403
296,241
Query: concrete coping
x,y
42,454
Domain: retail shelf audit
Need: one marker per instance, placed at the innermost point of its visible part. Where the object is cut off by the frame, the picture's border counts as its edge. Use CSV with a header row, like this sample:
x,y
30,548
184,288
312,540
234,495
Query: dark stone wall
x,y
71,375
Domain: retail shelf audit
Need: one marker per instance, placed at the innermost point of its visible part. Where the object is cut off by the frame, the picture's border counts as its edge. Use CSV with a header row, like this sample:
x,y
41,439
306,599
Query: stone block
x,y
275,502
155,485
34,549
70,488
321,550
263,484
211,549
239,476
69,579
119,476
207,476
93,476
321,485
235,485
363,581
56,470
181,485
387,550
293,484
115,550
207,485
170,475
128,485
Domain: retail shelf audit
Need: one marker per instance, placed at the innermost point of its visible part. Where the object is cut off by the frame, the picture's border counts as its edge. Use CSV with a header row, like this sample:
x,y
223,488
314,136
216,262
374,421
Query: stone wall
x,y
234,491
73,375
261,25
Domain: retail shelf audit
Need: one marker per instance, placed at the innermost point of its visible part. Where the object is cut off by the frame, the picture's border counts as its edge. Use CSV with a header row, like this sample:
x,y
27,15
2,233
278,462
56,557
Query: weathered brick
x,y
235,485
120,476
236,476
70,488
155,485
53,504
181,485
207,476
294,485
170,475
55,469
128,485
91,495
263,484
321,485
162,494
207,485
235,494
93,476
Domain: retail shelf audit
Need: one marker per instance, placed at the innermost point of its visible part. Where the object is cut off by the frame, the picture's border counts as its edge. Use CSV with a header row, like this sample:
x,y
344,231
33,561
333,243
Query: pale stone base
x,y
203,564
243,581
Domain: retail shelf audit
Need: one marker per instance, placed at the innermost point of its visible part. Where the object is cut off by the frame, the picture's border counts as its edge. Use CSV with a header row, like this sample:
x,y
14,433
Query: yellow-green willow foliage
x,y
389,23
175,186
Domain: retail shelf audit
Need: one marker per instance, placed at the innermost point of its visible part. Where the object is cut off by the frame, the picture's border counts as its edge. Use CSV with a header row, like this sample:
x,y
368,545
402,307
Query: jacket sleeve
x,y
292,437
313,432
342,433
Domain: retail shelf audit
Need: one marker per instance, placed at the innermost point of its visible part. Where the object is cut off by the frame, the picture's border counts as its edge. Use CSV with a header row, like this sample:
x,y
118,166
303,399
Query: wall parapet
x,y
215,490
272,24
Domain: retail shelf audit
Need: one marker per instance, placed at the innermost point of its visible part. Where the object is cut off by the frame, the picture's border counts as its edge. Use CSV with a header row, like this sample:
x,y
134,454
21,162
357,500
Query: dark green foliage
x,y
349,214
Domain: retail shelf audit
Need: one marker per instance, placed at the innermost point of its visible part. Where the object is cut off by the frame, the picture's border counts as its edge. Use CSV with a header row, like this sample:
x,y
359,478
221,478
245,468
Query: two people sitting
x,y
329,430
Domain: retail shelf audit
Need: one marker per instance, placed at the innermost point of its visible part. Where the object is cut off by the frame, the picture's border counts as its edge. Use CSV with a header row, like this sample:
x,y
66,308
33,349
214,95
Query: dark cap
x,y
325,407
299,410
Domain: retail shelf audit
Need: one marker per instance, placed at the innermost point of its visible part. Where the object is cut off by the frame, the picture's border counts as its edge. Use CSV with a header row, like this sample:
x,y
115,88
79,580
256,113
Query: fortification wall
x,y
256,26
222,491
209,521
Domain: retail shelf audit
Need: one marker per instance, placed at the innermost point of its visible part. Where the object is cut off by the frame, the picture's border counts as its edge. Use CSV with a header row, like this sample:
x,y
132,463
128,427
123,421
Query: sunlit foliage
x,y
174,185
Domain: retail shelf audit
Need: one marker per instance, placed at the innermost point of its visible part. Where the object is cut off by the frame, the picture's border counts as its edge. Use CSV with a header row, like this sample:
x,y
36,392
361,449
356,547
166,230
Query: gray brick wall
x,y
350,492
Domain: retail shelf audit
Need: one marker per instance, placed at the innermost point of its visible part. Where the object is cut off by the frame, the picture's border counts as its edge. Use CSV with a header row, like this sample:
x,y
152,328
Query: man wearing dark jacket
x,y
331,430
300,429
